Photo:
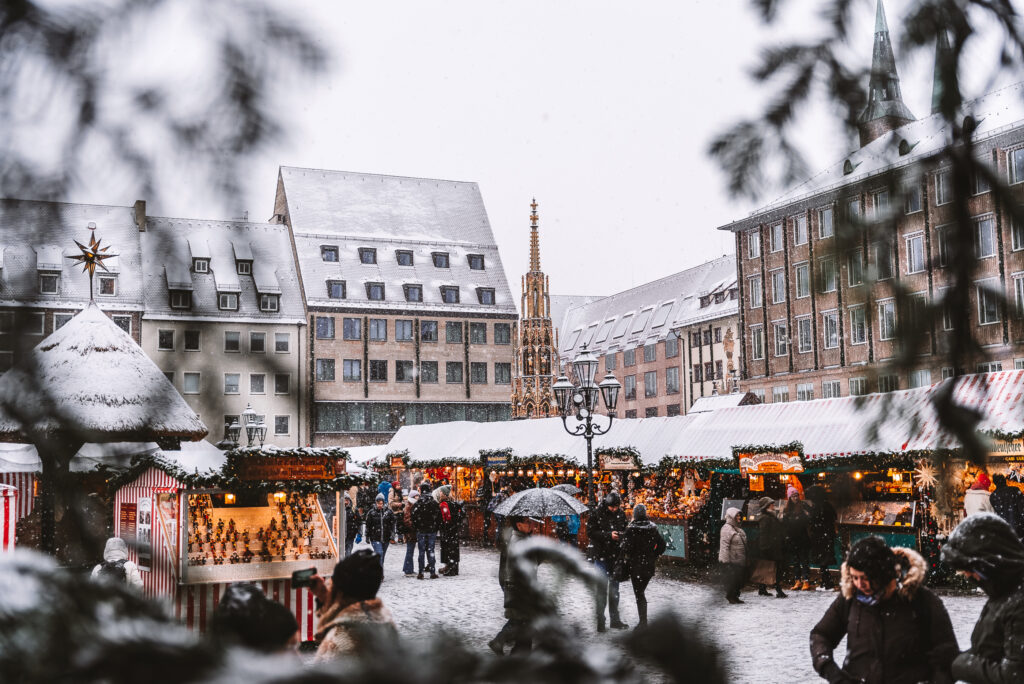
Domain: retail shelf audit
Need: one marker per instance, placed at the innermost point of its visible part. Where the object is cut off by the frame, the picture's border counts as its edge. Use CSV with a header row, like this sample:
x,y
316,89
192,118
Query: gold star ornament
x,y
92,256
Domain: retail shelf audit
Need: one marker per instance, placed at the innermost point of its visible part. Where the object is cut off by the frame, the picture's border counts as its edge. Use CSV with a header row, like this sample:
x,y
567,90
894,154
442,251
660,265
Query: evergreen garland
x,y
798,447
404,454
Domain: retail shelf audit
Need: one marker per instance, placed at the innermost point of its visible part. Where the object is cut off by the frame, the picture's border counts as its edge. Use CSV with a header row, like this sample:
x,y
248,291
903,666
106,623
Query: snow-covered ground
x,y
766,640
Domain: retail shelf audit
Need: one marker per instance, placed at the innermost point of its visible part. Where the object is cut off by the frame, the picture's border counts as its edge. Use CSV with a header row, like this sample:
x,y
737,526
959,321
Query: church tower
x,y
886,110
536,349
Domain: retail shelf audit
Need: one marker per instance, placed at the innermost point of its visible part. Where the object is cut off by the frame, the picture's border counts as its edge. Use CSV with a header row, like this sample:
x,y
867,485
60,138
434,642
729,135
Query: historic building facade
x,y
536,349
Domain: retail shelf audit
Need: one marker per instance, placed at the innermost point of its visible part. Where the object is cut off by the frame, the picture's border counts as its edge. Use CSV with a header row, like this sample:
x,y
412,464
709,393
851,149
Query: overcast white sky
x,y
603,111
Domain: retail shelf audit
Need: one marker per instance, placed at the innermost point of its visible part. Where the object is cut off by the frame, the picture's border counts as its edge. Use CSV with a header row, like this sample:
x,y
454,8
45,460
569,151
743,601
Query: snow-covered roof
x,y
646,313
561,304
89,377
721,401
197,457
171,243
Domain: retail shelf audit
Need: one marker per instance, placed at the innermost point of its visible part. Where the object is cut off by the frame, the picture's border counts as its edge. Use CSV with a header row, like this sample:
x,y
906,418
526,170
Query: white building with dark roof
x,y
411,316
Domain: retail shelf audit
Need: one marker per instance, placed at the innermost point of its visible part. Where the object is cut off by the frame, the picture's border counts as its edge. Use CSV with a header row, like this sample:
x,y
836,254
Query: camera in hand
x,y
303,578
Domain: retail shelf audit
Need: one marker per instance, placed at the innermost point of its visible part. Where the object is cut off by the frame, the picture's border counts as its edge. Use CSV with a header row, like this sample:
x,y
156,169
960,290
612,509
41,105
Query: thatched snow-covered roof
x,y
91,379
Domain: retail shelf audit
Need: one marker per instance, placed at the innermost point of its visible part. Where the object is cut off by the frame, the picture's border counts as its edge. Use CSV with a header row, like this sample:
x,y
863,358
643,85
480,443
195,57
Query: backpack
x,y
113,570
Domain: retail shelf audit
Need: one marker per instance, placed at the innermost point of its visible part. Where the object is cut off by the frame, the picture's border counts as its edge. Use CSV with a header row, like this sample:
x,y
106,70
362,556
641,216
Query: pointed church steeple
x,y
886,110
534,238
944,80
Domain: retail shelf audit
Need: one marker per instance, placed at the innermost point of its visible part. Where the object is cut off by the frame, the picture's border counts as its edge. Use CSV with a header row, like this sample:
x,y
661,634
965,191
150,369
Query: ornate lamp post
x,y
580,401
254,429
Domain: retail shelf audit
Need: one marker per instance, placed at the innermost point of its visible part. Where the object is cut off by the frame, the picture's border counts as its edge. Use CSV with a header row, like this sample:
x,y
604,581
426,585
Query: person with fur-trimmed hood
x,y
897,631
350,613
986,549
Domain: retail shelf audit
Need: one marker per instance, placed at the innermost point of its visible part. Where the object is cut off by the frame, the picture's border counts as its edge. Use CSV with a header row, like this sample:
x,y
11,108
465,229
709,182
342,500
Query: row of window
x,y
191,382
34,323
650,354
652,411
651,383
226,301
450,294
331,416
405,371
704,338
711,370
192,341
377,330
718,297
49,284
403,257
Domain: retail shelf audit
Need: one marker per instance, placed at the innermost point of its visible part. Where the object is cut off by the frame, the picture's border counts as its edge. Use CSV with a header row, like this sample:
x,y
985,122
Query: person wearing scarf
x,y
451,523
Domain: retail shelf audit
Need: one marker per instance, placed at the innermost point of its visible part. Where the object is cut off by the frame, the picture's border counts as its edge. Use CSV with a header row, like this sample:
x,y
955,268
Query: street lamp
x,y
580,401
255,429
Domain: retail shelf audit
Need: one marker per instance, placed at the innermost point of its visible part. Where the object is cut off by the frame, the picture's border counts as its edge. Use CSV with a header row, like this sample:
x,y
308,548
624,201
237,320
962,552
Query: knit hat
x,y
613,499
983,482
792,491
639,512
414,496
425,488
986,544
765,503
347,497
380,497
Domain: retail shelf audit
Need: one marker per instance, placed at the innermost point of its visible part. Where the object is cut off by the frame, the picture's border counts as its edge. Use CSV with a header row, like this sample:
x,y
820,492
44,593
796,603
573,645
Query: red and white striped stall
x,y
8,516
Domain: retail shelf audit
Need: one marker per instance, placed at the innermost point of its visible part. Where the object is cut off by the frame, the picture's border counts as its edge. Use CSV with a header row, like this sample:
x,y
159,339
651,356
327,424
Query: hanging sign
x,y
398,462
308,467
497,460
1012,451
144,534
127,519
770,462
616,462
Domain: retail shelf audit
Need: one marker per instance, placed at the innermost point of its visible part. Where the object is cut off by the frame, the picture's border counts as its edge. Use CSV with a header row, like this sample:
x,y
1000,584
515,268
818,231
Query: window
x,y
191,340
858,328
947,310
753,244
453,371
413,293
336,289
799,230
1018,364
805,339
378,330
671,346
190,383
502,373
404,257
324,328
403,330
827,266
775,238
440,259
165,340
232,341
988,304
780,394
944,237
378,371
629,385
282,342
227,301
805,391
759,393
672,380
367,255
825,227
650,352
351,329
122,322
920,378
990,367
281,425
243,267
1018,292
282,383
707,337
453,332
830,329
329,252
167,374
802,274
257,383
502,333
858,386
831,389
351,370
781,339
916,307
709,371
428,371
478,372
478,333
886,320
888,383
912,198
325,370
1016,234
755,292
60,320
404,371
631,413
108,286
270,302
943,191
375,292
449,294
718,334
915,253
231,383
609,361
1015,160
985,238
855,268
884,260
48,283
181,299
778,287
852,209
696,375
629,357
981,184
880,204
201,265
485,295
428,331
651,384
476,261
756,342
672,410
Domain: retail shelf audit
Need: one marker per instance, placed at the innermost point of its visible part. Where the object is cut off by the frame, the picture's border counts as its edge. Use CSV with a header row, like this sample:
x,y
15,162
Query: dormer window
x,y
375,292
733,294
367,255
449,294
181,299
440,259
49,283
705,301
404,257
244,267
107,286
227,301
719,297
329,253
476,261
201,265
336,289
270,302
413,293
485,295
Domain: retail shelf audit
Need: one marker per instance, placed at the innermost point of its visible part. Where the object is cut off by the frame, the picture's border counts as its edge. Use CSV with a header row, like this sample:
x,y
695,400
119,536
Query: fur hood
x,y
339,628
912,568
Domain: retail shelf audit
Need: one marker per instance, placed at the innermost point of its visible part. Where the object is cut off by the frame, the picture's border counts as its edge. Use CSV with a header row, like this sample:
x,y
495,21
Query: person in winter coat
x,y
642,543
732,554
384,488
796,519
978,499
499,520
451,526
986,549
380,526
409,530
484,493
246,617
897,631
605,530
397,506
769,543
351,614
353,523
822,532
1008,504
517,628
567,527
116,566
426,520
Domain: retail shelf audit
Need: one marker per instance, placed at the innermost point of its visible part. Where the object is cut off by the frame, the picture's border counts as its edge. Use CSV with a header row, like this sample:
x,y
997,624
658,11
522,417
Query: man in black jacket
x,y
484,494
769,543
1008,503
426,520
605,529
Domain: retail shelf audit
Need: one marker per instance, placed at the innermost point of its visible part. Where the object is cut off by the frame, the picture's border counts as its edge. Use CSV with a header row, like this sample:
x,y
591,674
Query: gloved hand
x,y
359,538
836,675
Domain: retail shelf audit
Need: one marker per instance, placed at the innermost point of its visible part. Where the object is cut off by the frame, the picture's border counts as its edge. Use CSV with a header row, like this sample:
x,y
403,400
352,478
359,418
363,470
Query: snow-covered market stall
x,y
197,522
8,516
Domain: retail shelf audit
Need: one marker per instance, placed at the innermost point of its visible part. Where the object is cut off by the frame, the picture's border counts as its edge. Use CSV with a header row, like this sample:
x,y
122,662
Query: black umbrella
x,y
540,502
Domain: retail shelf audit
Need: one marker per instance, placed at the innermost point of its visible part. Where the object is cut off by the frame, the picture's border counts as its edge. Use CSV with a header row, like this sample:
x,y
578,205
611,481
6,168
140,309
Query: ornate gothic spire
x,y
886,110
534,238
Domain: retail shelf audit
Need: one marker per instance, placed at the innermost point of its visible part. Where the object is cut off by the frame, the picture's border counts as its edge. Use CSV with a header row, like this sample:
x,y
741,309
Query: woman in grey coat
x,y
732,554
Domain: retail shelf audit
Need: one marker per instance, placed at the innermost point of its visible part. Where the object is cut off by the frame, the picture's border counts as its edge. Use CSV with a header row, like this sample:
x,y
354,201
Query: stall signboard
x,y
616,462
770,462
310,467
397,462
675,539
1009,451
127,522
496,460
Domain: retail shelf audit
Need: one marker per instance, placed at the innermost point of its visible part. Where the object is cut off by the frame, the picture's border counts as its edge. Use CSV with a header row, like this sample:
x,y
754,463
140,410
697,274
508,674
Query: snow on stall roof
x,y
196,457
91,378
720,401
24,458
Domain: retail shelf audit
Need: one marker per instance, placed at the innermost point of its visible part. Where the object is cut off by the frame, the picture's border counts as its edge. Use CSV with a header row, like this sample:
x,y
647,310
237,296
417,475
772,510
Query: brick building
x,y
819,268
411,319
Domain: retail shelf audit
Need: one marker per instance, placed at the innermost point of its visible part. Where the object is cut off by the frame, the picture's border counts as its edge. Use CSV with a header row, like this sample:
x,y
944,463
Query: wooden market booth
x,y
8,516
